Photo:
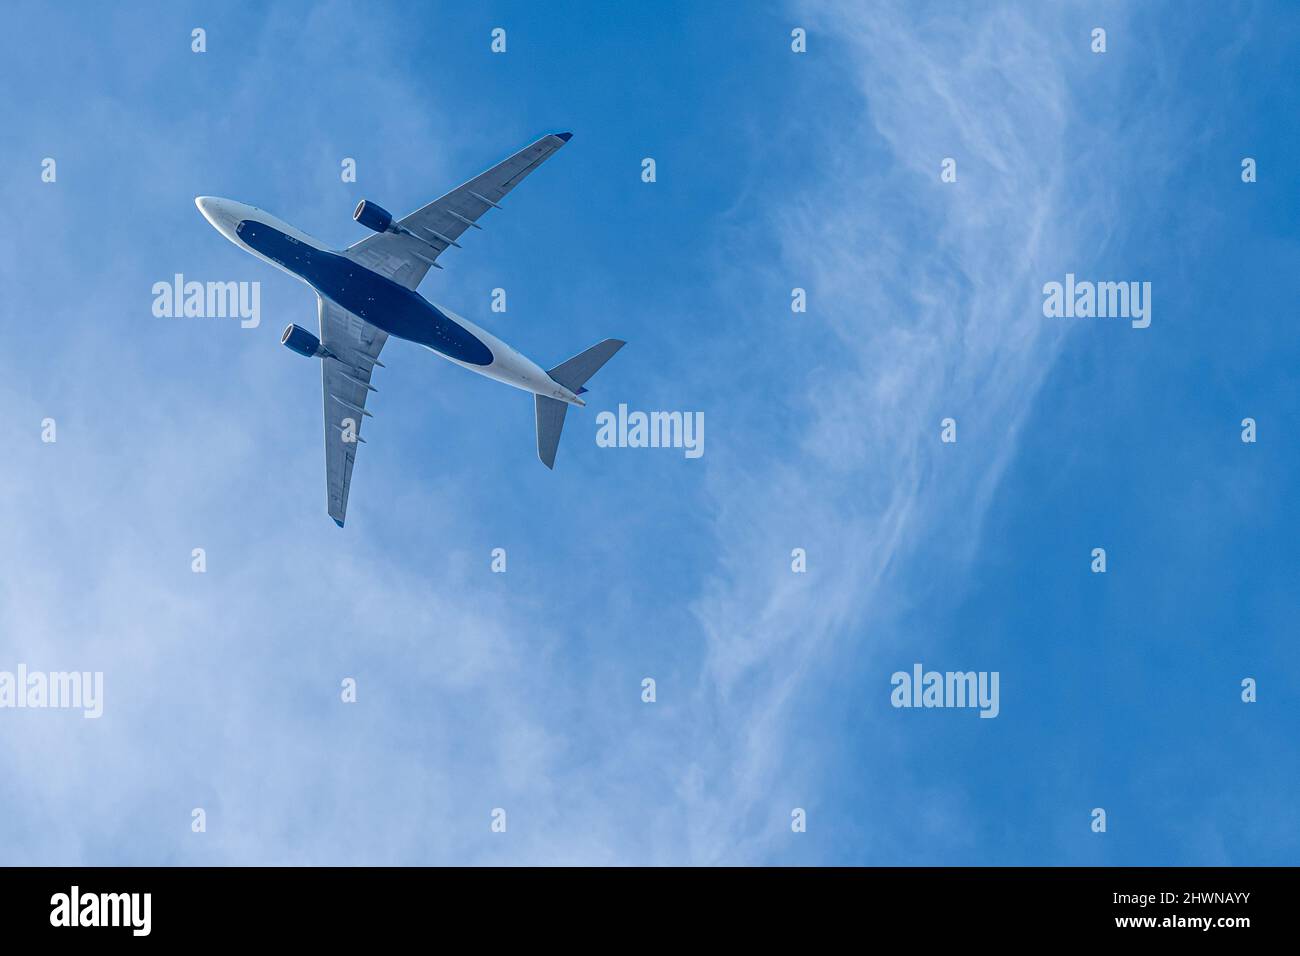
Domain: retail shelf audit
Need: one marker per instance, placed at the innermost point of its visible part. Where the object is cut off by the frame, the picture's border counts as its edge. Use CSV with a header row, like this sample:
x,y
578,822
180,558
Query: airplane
x,y
367,292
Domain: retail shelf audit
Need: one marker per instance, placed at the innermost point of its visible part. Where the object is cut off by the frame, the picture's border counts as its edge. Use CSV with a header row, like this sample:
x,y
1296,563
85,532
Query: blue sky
x,y
523,690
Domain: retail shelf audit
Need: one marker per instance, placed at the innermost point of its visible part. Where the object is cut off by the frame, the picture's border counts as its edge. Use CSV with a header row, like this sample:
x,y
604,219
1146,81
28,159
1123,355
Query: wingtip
x,y
565,136
338,521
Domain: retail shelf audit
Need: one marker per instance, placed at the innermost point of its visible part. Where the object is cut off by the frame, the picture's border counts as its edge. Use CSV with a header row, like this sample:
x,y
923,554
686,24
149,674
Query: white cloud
x,y
924,302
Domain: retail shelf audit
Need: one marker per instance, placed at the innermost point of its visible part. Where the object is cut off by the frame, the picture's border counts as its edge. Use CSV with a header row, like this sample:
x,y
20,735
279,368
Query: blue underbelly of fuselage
x,y
381,302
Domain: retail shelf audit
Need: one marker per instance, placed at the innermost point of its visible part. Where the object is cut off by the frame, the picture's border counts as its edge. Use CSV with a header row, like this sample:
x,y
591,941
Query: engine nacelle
x,y
303,342
372,216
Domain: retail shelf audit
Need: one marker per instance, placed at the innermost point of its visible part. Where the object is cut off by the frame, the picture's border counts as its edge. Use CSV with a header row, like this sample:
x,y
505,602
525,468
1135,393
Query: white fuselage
x,y
376,299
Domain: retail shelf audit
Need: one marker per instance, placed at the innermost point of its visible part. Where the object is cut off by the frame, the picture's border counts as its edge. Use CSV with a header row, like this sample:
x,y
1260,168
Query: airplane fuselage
x,y
398,311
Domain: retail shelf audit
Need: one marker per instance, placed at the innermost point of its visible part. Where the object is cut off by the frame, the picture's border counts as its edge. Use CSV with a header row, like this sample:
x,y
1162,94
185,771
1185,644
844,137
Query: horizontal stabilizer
x,y
574,373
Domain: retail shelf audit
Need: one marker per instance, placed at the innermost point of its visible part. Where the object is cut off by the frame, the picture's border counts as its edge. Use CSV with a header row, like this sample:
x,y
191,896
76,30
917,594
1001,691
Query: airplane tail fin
x,y
573,375
550,419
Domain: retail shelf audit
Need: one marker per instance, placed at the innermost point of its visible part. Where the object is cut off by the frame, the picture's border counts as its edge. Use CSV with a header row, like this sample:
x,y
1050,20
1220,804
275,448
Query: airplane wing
x,y
345,380
405,258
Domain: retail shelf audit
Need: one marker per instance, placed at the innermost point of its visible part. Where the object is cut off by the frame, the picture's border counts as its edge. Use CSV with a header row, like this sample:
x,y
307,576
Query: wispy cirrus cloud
x,y
924,303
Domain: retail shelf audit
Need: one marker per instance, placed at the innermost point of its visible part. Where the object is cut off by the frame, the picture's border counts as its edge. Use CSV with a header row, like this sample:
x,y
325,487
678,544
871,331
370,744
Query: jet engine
x,y
303,342
372,216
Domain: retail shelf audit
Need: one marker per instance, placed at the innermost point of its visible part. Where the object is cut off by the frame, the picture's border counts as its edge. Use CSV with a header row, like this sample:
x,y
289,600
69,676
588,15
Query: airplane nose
x,y
208,205
217,212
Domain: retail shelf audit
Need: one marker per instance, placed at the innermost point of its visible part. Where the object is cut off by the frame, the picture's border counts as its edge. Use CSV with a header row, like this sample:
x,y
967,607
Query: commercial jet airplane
x,y
366,292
